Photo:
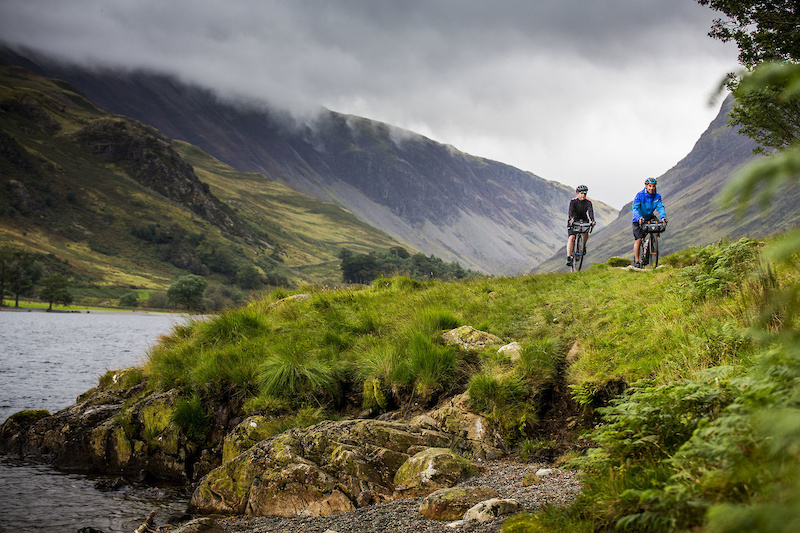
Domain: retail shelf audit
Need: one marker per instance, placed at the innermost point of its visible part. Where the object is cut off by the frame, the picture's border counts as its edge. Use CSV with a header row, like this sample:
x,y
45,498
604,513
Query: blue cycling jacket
x,y
645,204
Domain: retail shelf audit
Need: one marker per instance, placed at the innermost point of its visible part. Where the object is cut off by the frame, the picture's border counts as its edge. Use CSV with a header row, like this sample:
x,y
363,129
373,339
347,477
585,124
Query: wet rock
x,y
109,485
104,434
451,503
200,525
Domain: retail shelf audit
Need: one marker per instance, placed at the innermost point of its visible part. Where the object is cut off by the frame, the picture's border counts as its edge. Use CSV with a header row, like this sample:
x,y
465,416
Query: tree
x,y
248,277
25,272
188,292
129,300
6,260
766,31
54,290
359,268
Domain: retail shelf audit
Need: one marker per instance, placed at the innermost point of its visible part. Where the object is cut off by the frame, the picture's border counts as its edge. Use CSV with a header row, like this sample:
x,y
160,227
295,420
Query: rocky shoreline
x,y
507,477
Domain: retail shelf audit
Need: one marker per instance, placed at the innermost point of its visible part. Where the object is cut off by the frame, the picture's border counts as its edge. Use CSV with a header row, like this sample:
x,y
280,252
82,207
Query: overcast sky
x,y
597,92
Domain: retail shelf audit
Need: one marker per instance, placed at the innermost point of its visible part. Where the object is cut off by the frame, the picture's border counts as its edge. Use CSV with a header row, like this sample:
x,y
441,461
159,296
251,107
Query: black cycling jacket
x,y
580,210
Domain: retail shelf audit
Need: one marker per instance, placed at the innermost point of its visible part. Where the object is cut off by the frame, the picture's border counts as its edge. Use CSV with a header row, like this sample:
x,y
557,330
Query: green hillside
x,y
122,207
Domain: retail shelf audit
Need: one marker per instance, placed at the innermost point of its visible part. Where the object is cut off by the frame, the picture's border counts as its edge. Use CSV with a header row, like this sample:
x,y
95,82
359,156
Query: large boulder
x,y
475,435
331,467
430,470
452,503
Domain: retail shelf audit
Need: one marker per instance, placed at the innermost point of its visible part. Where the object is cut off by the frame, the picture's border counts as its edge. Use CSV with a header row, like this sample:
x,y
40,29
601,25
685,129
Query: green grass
x,y
385,341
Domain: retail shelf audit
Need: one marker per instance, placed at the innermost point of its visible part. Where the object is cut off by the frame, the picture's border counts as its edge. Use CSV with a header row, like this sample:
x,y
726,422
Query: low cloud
x,y
602,93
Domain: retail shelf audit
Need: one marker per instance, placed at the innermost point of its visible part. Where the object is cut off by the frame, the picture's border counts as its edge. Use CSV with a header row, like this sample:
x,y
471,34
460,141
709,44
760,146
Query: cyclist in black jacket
x,y
580,210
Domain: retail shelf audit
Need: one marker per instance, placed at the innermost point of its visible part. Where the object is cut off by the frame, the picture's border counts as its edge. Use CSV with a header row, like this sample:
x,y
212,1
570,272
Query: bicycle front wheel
x,y
580,247
577,253
644,250
654,251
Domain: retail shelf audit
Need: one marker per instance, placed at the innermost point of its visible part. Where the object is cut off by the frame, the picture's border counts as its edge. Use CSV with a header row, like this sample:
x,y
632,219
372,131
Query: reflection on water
x,y
46,361
39,498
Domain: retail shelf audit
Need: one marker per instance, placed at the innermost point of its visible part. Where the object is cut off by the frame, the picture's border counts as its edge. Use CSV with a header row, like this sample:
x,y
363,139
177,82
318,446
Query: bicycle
x,y
579,250
648,251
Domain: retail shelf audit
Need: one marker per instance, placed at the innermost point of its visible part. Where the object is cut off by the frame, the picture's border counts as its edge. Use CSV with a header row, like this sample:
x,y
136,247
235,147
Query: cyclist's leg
x,y
638,234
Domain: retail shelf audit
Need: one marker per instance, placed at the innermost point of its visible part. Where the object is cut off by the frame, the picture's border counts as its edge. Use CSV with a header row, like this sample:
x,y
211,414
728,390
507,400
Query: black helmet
x,y
650,181
582,188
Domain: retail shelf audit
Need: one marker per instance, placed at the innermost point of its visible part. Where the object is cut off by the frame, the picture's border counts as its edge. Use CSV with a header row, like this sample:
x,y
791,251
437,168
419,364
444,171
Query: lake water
x,y
46,361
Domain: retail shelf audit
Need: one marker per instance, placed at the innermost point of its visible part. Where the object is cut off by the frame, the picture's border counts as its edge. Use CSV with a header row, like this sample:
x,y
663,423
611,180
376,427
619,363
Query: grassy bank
x,y
664,360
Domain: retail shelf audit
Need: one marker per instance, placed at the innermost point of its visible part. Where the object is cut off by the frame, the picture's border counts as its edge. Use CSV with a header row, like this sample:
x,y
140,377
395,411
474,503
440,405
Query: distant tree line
x,y
201,256
25,274
364,268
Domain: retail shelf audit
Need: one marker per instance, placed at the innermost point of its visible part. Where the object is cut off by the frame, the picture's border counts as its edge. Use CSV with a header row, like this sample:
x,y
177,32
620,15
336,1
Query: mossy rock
x,y
21,420
250,432
430,470
471,339
451,503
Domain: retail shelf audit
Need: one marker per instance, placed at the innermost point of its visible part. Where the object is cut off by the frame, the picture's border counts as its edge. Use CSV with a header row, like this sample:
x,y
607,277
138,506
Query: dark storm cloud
x,y
527,82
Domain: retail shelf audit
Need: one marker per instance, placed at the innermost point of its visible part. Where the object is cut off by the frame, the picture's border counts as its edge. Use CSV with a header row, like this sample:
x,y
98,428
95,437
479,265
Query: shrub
x,y
491,391
720,268
435,319
431,365
192,418
157,300
292,371
130,299
618,262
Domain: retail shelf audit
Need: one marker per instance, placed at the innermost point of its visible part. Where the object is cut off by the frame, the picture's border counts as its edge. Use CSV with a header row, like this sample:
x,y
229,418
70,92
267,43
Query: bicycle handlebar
x,y
653,227
582,227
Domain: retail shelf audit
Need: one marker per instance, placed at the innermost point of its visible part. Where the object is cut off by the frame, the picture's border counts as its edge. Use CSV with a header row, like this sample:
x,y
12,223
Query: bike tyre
x,y
644,250
654,251
576,253
580,245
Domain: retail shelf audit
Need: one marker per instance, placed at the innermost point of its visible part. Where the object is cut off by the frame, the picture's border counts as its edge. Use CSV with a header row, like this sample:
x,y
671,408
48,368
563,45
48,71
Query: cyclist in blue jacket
x,y
647,206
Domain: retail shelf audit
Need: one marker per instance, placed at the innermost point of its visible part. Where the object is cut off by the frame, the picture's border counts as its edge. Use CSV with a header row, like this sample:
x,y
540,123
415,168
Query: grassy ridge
x,y
380,347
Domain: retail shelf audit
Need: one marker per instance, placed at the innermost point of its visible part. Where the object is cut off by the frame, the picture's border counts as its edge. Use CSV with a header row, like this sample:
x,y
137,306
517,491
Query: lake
x,y
46,361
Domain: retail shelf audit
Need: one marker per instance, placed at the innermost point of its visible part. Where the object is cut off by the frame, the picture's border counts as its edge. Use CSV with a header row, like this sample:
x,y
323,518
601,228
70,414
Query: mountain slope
x,y
690,192
483,214
126,207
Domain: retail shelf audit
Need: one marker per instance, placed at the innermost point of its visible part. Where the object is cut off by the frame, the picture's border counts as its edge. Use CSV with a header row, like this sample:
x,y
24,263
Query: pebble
x,y
560,488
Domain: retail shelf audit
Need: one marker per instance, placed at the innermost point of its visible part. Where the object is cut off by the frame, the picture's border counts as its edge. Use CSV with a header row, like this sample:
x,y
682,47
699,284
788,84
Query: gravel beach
x,y
402,516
